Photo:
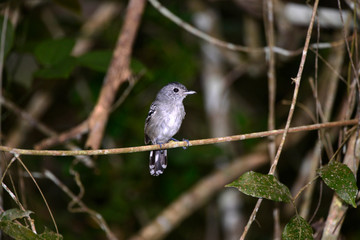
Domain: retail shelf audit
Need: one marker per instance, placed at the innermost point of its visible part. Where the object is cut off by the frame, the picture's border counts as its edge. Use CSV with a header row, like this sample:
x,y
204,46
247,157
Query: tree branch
x,y
117,74
172,144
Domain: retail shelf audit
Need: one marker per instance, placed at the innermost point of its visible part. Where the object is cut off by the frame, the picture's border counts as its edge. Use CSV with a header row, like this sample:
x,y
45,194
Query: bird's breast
x,y
170,123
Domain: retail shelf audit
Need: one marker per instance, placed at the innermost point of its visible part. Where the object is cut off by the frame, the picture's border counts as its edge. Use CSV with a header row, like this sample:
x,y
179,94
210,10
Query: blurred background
x,y
56,57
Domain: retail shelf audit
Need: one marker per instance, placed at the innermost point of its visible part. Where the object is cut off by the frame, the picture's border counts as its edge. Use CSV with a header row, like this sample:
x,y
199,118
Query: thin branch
x,y
200,34
132,81
291,112
42,128
26,116
82,206
304,187
39,189
231,46
72,133
16,200
172,144
271,74
334,71
347,43
296,90
83,127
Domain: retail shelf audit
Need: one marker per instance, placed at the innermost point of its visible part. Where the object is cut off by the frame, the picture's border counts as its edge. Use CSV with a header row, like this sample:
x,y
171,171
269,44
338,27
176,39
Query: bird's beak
x,y
190,92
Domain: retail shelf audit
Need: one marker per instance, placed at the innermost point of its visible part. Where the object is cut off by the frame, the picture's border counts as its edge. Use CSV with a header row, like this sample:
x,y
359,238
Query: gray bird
x,y
163,122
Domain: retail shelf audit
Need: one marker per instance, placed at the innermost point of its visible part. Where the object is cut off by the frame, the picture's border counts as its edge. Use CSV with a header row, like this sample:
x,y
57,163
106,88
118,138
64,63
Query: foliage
x,y
339,177
297,228
262,186
10,226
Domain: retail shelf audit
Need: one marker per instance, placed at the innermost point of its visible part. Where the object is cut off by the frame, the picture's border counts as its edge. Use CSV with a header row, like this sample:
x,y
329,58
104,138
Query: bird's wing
x,y
152,111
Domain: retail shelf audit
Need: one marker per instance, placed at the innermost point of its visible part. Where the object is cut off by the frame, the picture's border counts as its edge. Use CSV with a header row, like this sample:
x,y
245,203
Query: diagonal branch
x,y
291,112
117,74
75,132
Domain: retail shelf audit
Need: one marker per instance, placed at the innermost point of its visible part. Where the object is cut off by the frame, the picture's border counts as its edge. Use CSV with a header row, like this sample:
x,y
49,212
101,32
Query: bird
x,y
163,121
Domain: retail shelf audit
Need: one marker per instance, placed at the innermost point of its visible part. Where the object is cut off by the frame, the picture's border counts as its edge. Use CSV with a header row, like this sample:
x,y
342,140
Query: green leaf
x,y
13,214
18,231
9,35
50,235
298,229
340,178
72,5
96,60
262,186
61,70
52,52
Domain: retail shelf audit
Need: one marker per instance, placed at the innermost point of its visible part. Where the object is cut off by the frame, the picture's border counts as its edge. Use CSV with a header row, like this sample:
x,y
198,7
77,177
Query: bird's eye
x,y
176,90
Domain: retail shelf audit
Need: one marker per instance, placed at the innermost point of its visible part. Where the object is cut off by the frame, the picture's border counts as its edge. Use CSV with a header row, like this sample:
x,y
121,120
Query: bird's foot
x,y
186,140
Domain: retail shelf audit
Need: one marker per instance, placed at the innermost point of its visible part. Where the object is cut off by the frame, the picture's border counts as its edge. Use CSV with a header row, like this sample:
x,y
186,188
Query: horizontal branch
x,y
176,144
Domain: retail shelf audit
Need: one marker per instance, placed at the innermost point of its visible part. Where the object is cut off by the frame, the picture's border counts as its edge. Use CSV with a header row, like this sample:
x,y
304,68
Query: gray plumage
x,y
163,122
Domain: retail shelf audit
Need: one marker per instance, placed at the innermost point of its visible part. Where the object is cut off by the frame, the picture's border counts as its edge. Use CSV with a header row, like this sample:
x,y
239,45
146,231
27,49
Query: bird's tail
x,y
157,162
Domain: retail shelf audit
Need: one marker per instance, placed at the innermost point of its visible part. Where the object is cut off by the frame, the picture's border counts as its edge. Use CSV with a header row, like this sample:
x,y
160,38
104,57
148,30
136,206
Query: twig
x,y
347,43
13,196
223,44
335,63
296,90
83,127
172,144
132,81
26,116
42,128
271,74
304,187
334,71
39,189
291,112
75,132
167,13
82,207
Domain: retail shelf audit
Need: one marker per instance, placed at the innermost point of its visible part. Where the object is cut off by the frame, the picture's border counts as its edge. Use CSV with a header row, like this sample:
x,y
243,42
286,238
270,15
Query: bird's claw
x,y
188,143
186,140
